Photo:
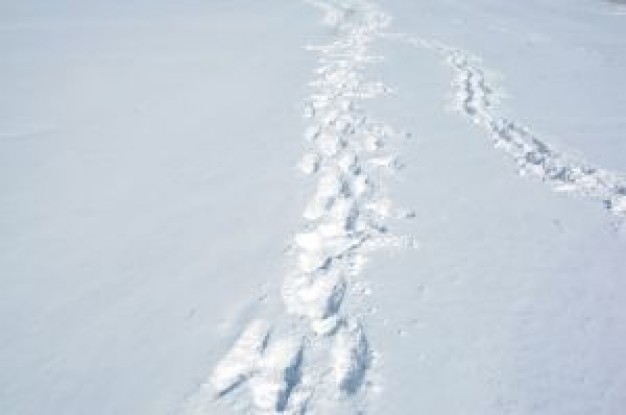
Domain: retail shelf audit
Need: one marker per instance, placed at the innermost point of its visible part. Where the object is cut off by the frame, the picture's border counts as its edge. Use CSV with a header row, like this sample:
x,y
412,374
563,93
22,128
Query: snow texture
x,y
150,177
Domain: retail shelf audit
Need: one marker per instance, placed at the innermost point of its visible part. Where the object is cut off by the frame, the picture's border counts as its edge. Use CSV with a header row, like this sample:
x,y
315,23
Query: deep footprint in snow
x,y
317,297
351,358
278,373
242,359
270,369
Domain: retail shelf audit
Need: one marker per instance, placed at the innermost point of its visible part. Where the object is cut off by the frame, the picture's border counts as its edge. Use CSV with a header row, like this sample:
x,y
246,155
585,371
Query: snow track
x,y
476,99
321,359
317,357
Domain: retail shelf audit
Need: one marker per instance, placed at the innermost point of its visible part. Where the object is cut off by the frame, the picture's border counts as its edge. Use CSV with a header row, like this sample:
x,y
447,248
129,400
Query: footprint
x,y
351,358
317,297
242,359
278,373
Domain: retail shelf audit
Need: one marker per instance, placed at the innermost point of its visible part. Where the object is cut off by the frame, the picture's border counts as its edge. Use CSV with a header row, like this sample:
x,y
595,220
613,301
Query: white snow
x,y
313,207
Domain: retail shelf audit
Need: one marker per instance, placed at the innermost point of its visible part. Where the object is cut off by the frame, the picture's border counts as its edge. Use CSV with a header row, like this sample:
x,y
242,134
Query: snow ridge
x,y
322,359
475,99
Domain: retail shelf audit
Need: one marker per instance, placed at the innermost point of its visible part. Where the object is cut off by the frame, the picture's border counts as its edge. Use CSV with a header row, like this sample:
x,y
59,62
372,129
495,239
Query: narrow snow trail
x,y
318,357
476,99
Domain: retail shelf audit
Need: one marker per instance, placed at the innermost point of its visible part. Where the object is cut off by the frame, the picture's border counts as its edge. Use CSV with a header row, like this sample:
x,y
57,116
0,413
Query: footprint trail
x,y
322,357
476,99
316,357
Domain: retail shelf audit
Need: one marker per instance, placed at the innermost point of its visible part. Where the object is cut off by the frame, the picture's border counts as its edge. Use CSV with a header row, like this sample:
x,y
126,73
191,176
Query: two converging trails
x,y
319,356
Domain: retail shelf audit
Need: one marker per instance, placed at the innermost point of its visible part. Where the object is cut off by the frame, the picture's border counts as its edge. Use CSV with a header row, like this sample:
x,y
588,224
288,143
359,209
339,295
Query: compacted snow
x,y
313,207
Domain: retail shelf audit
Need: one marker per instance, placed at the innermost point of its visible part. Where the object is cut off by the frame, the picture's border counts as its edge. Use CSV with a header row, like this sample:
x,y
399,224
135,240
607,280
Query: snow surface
x,y
313,207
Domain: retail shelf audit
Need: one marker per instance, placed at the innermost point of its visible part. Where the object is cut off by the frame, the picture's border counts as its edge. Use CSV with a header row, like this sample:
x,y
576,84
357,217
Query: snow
x,y
143,204
326,206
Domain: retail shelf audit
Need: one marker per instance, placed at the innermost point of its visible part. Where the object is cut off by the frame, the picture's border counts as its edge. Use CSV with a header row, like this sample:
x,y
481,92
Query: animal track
x,y
476,99
532,155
